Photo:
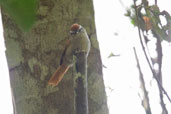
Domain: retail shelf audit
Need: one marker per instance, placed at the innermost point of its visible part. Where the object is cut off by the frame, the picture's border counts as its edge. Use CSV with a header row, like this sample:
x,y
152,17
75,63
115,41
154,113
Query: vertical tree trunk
x,y
33,57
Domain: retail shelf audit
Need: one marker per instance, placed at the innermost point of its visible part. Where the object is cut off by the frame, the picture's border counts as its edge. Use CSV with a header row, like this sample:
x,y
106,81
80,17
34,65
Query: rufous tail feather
x,y
58,75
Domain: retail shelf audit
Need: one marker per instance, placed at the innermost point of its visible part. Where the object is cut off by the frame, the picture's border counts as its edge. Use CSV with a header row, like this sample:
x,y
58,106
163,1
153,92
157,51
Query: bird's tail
x,y
58,75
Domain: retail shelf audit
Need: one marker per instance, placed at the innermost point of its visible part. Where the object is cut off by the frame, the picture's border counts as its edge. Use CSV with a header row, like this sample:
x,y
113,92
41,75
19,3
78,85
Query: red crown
x,y
75,27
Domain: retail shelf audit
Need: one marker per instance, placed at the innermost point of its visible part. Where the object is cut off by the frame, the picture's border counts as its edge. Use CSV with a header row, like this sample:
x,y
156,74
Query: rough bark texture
x,y
33,57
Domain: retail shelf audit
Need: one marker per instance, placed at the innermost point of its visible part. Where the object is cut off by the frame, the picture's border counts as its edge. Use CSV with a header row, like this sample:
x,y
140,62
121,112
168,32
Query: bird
x,y
78,42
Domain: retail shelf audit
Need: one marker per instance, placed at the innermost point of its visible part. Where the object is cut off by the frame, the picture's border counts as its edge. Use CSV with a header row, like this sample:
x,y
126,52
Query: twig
x,y
159,74
141,41
145,101
155,2
122,4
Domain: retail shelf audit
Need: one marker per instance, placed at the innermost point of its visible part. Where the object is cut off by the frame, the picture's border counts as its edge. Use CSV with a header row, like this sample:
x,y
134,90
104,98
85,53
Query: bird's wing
x,y
64,52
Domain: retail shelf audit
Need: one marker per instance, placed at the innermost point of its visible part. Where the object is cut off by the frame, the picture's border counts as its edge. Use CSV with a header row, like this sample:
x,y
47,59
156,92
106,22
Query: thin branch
x,y
145,101
159,59
148,60
159,74
122,4
141,40
155,2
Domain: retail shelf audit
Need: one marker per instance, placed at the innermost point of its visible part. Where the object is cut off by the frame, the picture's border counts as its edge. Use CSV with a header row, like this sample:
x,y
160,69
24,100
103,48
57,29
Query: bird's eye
x,y
73,32
76,31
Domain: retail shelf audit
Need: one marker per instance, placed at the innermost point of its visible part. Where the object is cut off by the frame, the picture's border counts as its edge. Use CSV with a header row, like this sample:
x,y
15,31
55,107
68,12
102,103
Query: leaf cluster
x,y
149,18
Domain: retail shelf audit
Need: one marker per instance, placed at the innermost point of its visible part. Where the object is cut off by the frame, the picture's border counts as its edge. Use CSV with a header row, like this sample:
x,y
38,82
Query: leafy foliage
x,y
23,12
150,20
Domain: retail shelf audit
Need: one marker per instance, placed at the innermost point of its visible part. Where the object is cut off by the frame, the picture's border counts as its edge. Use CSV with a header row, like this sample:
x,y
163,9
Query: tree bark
x,y
33,57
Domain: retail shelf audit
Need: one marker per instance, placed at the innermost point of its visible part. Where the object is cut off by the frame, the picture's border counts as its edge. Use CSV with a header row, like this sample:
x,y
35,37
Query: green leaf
x,y
112,55
23,12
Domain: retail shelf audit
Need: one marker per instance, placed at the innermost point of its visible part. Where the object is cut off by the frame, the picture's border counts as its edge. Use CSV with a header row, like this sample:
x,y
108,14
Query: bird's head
x,y
75,29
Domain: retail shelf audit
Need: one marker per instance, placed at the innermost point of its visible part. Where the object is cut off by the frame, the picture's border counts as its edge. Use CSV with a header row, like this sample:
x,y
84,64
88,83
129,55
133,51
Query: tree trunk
x,y
34,56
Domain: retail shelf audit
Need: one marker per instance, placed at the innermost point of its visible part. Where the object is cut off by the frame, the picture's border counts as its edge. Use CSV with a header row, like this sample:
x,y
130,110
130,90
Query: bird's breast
x,y
81,43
